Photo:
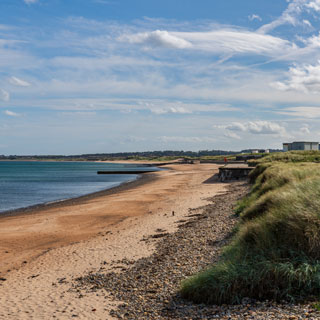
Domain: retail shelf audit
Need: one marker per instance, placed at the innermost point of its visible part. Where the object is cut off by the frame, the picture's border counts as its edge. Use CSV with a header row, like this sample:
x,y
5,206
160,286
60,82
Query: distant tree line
x,y
127,155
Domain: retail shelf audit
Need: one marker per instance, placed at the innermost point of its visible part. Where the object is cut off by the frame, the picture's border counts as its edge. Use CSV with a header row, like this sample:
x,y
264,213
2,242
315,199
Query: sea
x,y
28,183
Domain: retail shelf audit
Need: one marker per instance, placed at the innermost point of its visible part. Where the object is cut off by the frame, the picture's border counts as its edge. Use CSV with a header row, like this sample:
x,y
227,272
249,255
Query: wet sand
x,y
47,247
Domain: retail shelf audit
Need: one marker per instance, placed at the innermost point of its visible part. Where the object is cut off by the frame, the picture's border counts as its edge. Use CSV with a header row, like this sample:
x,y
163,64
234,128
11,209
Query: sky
x,y
102,76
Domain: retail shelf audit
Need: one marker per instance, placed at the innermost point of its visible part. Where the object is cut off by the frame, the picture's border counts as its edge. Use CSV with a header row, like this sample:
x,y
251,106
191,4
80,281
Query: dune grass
x,y
291,156
275,253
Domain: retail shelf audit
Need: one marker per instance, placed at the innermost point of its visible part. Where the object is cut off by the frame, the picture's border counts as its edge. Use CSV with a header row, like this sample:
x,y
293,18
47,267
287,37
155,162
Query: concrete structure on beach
x,y
301,145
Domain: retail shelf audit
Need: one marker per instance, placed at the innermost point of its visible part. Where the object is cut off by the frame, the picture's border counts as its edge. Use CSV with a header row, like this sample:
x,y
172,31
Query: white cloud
x,y
304,129
289,16
232,135
301,112
256,127
304,78
217,41
307,22
11,113
292,14
157,38
4,95
254,17
315,5
173,109
236,126
265,127
312,42
19,82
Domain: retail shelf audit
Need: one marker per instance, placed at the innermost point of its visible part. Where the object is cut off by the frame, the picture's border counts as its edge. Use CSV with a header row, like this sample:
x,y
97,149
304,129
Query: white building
x,y
301,145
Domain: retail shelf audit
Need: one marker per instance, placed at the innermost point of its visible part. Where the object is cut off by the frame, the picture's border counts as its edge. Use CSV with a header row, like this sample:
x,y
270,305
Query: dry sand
x,y
46,248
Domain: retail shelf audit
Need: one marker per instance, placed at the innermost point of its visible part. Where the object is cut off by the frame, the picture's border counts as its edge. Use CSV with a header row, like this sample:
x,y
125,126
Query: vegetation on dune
x,y
219,157
291,156
275,253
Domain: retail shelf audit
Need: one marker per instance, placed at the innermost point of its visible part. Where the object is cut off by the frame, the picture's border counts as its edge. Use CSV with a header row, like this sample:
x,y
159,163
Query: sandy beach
x,y
43,250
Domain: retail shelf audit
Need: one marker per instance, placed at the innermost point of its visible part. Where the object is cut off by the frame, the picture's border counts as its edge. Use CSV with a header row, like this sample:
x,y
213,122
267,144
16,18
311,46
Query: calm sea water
x,y
24,183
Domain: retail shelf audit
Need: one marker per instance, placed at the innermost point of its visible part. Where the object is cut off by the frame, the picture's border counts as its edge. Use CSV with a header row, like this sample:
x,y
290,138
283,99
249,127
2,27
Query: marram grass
x,y
275,253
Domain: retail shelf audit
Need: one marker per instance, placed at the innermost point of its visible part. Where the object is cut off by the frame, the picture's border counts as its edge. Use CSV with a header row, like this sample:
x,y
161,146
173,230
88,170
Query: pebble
x,y
149,287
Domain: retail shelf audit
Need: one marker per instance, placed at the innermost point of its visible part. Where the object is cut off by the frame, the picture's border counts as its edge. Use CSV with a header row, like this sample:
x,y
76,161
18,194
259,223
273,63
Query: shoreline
x,y
27,233
141,179
47,250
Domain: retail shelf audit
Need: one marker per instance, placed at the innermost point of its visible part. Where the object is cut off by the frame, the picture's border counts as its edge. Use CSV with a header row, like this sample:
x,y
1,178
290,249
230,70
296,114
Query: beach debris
x,y
181,221
62,280
34,276
172,213
3,279
159,235
194,215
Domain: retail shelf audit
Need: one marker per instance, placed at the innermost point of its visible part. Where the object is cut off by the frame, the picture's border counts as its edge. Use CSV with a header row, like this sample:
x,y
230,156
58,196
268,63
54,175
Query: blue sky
x,y
94,76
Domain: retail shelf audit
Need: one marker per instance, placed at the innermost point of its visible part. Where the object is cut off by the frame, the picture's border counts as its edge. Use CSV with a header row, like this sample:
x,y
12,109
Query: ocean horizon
x,y
29,183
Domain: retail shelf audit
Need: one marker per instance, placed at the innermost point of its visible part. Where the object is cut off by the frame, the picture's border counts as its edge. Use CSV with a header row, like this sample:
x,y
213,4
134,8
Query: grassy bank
x,y
291,157
275,253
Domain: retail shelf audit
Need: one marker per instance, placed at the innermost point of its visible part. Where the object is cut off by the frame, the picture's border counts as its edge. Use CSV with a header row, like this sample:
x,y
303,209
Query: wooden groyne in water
x,y
146,165
126,172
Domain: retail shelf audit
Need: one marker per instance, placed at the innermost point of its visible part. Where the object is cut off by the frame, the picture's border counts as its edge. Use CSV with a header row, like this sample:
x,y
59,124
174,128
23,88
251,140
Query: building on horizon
x,y
300,145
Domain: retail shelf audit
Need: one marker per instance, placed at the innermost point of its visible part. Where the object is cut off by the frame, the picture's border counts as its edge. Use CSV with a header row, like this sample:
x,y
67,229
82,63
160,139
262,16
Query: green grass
x,y
291,156
155,159
219,157
275,253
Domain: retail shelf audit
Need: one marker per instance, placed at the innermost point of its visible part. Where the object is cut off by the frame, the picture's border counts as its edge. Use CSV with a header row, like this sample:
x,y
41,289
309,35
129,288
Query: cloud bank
x,y
157,38
305,78
216,41
257,127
